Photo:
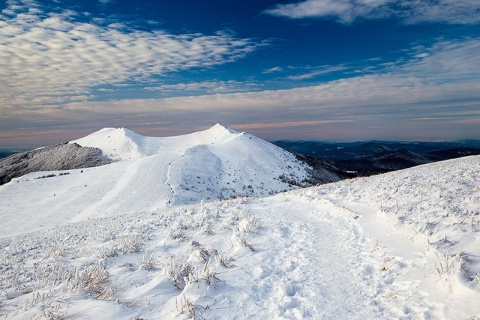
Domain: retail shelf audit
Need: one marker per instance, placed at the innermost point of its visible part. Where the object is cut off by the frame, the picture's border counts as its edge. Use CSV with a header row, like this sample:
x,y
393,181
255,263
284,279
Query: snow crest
x,y
125,144
117,144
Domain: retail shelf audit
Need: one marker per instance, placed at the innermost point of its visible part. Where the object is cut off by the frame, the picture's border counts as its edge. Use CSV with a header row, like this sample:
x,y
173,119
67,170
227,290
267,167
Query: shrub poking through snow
x,y
94,280
149,262
209,273
185,305
180,271
227,261
131,243
96,257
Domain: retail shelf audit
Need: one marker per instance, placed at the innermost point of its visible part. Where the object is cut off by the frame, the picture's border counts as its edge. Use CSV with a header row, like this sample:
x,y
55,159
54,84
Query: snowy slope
x,y
403,245
360,249
150,173
425,223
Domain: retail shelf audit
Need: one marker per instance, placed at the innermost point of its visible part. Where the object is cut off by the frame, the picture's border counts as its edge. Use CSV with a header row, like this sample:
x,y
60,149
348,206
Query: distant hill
x,y
6,153
453,153
373,157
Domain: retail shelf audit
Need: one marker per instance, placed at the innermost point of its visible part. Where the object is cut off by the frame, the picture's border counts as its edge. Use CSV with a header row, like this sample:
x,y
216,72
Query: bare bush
x,y
94,280
131,244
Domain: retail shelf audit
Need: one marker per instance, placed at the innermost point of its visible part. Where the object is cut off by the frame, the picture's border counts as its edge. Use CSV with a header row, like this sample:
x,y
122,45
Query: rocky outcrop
x,y
59,157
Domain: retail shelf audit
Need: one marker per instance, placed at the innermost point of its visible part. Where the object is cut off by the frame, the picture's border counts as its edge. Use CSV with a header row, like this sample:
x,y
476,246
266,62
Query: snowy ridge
x,y
124,144
118,144
151,173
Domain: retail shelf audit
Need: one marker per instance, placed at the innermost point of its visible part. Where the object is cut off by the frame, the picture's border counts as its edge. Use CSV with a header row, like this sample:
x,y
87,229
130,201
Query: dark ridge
x,y
375,157
65,156
322,172
453,153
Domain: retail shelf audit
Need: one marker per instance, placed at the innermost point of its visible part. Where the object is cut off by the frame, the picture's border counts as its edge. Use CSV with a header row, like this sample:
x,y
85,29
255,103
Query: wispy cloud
x,y
273,70
206,87
60,56
323,70
409,11
249,126
445,61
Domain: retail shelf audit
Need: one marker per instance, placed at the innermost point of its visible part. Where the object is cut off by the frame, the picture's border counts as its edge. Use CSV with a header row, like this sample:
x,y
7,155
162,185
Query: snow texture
x,y
403,245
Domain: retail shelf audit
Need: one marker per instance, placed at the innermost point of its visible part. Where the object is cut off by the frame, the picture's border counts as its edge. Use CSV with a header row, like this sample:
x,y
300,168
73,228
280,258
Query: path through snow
x,y
312,263
324,267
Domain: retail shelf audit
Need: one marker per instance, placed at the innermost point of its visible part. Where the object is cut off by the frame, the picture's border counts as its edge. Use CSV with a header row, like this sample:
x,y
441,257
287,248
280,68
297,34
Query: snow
x,y
108,245
150,173
118,144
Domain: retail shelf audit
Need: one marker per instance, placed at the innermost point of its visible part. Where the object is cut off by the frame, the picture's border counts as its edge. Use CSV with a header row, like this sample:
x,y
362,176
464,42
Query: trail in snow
x,y
311,264
327,268
131,169
171,196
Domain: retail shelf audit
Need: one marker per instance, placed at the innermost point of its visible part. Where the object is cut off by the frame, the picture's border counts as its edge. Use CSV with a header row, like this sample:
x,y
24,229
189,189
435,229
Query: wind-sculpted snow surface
x,y
427,221
303,254
280,257
105,242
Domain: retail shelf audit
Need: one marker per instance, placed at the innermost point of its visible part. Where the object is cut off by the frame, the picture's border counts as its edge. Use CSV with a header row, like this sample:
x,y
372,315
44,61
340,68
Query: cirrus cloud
x,y
409,11
321,71
212,86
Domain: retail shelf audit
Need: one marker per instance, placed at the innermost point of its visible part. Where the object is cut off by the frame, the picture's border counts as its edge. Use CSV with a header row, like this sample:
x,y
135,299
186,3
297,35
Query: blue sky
x,y
337,70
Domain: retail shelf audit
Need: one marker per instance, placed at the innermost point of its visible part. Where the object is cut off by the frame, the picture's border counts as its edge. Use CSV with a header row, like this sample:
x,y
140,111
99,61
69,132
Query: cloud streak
x,y
273,70
313,74
63,56
250,126
209,87
408,11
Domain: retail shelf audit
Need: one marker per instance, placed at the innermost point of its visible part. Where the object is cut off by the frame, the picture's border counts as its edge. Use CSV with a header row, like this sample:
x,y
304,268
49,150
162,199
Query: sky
x,y
330,70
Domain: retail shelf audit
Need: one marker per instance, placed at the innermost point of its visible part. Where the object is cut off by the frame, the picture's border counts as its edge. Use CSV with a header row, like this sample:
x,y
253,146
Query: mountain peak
x,y
220,127
116,143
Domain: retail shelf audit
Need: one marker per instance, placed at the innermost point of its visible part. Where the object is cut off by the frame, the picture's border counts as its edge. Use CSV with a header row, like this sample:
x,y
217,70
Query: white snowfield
x,y
404,245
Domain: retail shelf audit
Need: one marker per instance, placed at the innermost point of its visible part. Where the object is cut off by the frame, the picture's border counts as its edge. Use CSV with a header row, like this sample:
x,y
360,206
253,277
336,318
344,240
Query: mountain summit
x,y
148,173
125,144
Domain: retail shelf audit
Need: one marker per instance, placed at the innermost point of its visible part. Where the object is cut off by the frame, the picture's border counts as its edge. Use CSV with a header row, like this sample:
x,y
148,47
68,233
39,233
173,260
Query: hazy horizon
x,y
58,140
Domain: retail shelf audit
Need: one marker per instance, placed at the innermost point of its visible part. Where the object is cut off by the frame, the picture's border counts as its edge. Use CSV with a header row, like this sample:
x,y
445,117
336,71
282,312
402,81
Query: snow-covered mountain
x,y
150,173
106,244
218,163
